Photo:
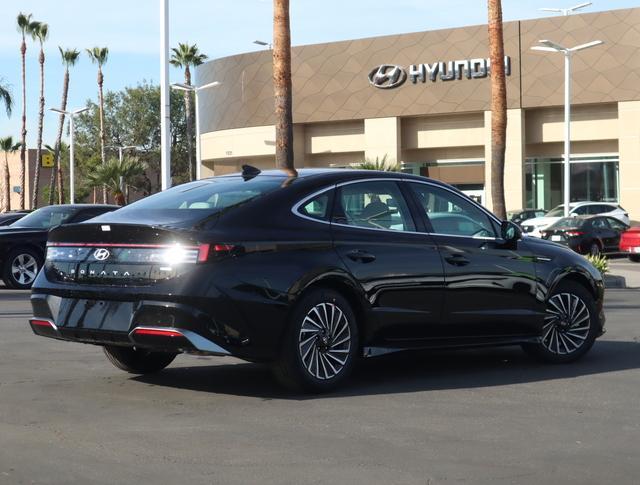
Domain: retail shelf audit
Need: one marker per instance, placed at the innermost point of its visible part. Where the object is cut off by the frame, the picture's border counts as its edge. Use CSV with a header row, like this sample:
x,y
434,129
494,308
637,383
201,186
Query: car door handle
x,y
457,260
361,256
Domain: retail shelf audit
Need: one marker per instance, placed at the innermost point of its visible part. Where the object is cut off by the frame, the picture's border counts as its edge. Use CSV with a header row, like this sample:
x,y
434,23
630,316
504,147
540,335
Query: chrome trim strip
x,y
296,207
198,341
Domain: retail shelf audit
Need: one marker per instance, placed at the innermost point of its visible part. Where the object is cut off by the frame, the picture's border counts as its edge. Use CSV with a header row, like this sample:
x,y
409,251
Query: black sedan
x,y
310,273
9,217
22,244
587,234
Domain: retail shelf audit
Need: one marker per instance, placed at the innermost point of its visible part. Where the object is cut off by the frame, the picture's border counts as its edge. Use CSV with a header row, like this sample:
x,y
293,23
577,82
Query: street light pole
x,y
567,11
72,168
195,90
165,135
550,46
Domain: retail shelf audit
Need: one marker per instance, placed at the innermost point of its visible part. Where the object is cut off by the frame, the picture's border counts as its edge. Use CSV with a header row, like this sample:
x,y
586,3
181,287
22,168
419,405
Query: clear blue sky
x,y
220,27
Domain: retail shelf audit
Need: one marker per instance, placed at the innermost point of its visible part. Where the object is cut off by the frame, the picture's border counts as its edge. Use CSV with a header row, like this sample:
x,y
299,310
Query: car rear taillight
x,y
42,323
209,251
574,233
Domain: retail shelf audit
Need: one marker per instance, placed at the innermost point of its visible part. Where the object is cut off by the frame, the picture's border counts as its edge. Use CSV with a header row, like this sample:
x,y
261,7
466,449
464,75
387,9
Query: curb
x,y
613,281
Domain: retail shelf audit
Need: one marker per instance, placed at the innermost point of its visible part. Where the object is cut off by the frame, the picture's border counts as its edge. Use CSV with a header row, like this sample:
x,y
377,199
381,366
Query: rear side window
x,y
207,196
373,205
317,208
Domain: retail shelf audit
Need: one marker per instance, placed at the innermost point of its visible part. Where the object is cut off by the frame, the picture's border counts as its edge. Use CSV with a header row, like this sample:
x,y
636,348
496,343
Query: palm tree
x,y
99,56
69,58
7,146
26,26
41,33
498,107
5,97
282,86
185,56
116,174
381,164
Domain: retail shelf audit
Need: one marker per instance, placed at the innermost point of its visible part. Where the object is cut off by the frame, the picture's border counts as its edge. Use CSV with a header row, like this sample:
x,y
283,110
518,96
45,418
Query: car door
x,y
618,227
604,233
490,286
398,268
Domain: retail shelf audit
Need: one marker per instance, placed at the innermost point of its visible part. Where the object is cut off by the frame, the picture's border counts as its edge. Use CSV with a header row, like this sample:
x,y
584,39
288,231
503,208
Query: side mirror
x,y
510,232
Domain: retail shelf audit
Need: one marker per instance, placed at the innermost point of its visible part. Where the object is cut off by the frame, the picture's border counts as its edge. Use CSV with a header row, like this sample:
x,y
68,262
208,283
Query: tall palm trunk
x,y
102,137
498,107
187,108
282,86
23,162
36,173
56,173
6,189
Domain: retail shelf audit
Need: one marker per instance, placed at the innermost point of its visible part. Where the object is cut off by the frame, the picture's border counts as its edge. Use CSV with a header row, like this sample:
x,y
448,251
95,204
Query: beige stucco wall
x,y
437,131
629,145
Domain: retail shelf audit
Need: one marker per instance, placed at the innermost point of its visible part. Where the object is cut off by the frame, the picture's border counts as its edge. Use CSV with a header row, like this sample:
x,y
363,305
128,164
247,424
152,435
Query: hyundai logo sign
x,y
101,254
388,76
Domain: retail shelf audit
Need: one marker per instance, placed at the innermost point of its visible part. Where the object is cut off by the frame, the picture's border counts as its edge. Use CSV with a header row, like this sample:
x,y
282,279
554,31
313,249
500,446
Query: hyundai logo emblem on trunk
x,y
101,254
387,76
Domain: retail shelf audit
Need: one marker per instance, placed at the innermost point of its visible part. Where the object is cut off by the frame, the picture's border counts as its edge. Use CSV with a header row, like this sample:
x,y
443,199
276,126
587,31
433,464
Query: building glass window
x,y
593,178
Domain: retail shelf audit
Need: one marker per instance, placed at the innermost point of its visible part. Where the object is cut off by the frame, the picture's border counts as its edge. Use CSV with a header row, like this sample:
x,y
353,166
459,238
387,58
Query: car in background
x,y
587,234
23,243
308,274
532,227
521,215
10,217
630,243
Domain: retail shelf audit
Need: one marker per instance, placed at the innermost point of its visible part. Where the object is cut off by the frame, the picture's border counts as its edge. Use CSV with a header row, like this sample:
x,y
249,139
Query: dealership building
x,y
423,99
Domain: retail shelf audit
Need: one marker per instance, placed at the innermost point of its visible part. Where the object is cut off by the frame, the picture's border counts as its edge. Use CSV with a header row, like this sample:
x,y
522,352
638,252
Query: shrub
x,y
601,263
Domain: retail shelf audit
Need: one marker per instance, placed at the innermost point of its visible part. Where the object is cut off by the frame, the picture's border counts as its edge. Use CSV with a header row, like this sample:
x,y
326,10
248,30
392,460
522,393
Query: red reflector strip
x,y
157,332
42,323
203,253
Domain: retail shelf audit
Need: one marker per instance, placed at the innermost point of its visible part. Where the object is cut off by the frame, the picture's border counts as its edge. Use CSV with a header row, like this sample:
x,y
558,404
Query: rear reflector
x,y
157,332
42,323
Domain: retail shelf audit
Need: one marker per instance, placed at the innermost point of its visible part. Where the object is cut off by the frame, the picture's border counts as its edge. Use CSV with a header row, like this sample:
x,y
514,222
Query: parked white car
x,y
532,227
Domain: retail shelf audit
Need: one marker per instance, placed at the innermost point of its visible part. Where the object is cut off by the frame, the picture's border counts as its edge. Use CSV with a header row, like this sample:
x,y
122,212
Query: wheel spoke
x,y
561,333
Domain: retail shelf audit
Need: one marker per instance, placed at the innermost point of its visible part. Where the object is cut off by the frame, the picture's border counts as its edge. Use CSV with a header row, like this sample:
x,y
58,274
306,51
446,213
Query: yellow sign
x,y
47,160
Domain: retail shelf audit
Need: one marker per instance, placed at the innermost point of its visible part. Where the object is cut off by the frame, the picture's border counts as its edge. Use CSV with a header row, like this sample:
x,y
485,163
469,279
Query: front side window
x,y
451,214
373,205
599,223
616,225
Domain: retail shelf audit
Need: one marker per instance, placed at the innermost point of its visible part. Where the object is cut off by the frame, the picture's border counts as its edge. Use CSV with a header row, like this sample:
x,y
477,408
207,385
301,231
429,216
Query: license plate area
x,y
556,237
105,315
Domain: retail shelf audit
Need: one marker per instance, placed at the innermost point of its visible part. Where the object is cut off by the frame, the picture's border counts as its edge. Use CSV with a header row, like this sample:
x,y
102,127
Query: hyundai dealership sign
x,y
388,76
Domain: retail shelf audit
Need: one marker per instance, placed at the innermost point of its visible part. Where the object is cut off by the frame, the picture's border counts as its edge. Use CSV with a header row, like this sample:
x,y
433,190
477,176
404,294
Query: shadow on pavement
x,y
408,372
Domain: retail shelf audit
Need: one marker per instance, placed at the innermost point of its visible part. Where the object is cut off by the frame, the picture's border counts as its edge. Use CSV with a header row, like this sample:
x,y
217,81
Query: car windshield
x,y
45,218
203,198
567,222
556,211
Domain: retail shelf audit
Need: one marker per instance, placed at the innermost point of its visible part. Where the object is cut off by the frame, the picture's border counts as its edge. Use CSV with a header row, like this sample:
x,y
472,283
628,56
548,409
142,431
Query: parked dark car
x,y
525,214
310,273
587,234
9,217
22,244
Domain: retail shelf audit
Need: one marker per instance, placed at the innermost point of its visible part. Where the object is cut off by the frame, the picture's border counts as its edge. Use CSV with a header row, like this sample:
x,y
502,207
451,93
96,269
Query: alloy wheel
x,y
24,269
324,341
567,324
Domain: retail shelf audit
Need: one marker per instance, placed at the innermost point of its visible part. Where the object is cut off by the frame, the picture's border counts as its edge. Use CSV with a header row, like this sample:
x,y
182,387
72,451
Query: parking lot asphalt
x,y
483,416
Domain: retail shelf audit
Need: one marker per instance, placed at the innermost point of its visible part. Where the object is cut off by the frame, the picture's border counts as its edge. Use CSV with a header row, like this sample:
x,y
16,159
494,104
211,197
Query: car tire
x,y
594,249
635,258
138,361
21,268
320,344
566,334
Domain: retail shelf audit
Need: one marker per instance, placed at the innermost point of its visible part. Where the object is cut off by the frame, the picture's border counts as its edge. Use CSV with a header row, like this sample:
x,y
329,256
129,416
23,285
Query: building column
x,y
514,158
629,152
382,136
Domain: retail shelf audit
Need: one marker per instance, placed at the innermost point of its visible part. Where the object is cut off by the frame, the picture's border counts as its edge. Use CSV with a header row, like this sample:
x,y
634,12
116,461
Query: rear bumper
x,y
156,325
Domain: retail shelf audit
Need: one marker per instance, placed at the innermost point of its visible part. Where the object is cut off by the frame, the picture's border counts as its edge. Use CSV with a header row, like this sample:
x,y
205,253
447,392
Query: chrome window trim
x,y
295,209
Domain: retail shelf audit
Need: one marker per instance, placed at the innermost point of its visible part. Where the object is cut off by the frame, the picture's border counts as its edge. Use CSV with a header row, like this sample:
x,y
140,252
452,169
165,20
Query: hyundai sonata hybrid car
x,y
310,273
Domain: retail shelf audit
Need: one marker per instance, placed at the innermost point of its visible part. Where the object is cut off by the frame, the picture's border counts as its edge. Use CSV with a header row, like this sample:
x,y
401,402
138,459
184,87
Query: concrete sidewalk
x,y
623,274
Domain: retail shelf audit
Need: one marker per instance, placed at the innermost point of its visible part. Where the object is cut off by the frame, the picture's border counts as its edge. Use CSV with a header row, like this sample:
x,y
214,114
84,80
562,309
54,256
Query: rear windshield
x,y
45,218
568,222
203,198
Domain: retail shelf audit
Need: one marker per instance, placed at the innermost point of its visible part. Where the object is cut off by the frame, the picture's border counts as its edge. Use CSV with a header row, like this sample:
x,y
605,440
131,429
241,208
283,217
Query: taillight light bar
x,y
207,251
574,233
